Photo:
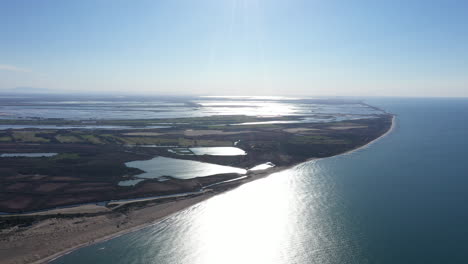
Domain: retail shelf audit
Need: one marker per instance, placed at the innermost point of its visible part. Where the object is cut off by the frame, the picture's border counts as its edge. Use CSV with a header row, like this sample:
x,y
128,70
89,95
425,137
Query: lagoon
x,y
264,166
28,155
218,151
180,169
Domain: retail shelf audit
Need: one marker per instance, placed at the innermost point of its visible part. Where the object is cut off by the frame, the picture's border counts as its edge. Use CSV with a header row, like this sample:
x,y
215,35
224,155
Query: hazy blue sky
x,y
235,47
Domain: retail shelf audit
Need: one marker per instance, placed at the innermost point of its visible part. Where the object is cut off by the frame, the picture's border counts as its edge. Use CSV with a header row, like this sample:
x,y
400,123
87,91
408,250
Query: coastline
x,y
175,209
140,218
390,130
184,203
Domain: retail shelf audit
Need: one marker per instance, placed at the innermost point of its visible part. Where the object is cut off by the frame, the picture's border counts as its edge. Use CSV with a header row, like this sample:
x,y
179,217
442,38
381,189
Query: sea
x,y
401,199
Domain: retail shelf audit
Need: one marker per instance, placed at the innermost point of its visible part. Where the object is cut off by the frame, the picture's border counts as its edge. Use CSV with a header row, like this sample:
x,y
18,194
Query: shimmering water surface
x,y
147,108
218,151
181,169
401,200
264,166
29,155
4,127
211,151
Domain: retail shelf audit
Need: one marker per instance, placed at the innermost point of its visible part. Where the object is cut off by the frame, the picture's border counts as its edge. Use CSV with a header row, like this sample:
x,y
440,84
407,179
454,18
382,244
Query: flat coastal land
x,y
55,203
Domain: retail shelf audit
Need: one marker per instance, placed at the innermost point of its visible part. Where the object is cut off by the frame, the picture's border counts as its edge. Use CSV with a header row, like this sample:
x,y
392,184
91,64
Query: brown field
x,y
48,187
17,186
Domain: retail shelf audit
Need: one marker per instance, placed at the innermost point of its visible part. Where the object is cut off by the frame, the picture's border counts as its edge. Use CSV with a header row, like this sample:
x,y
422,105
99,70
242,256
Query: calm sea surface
x,y
401,200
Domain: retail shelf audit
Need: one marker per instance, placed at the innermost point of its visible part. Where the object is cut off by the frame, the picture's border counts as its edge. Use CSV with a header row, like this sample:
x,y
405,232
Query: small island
x,y
77,186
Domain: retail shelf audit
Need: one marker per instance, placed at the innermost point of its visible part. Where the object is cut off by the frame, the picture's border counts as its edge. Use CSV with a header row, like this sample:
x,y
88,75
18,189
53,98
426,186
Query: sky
x,y
237,47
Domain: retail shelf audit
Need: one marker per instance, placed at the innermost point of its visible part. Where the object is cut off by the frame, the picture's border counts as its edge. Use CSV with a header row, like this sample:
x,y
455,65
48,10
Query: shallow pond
x,y
181,169
218,151
129,182
4,127
29,155
181,151
263,166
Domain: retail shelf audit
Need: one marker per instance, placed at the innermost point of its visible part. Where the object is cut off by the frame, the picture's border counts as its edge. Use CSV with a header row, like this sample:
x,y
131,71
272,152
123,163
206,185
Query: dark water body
x,y
401,200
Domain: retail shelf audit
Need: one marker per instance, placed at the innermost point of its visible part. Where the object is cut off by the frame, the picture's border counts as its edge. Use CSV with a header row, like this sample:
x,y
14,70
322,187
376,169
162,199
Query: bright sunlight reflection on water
x,y
240,229
260,222
294,216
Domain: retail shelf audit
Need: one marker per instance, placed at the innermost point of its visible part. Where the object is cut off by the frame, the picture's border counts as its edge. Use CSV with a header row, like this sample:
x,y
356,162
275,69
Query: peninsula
x,y
69,186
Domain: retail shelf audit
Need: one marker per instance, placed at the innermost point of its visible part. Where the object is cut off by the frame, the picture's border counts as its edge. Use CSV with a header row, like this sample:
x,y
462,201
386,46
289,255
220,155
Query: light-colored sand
x,y
82,209
51,238
125,202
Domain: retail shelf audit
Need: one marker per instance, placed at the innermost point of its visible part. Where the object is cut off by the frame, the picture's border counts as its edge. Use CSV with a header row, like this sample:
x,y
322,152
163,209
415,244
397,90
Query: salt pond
x,y
94,127
81,108
218,151
130,182
181,151
181,169
29,155
263,166
212,151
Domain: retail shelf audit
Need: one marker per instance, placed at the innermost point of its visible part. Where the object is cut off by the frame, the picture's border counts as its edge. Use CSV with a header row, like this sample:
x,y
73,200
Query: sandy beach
x,y
51,238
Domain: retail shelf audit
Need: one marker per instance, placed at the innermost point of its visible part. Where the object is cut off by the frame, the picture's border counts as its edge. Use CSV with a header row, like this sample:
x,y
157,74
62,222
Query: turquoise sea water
x,y
401,200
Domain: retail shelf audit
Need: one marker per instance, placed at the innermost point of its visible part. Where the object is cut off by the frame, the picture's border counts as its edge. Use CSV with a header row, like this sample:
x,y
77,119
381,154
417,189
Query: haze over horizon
x,y
237,47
